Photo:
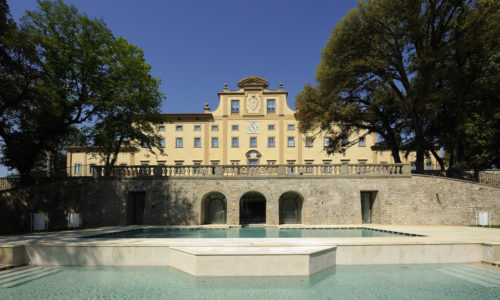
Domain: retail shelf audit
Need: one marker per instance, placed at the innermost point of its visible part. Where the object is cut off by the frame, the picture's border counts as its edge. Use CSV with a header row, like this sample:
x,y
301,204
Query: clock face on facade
x,y
253,127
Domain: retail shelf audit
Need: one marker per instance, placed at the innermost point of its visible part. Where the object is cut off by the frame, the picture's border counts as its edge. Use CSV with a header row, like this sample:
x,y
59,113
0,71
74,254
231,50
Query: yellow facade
x,y
251,125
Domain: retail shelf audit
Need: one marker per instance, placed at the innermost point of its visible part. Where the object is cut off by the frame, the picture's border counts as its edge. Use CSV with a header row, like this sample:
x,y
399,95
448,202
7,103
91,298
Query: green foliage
x,y
132,109
65,77
412,71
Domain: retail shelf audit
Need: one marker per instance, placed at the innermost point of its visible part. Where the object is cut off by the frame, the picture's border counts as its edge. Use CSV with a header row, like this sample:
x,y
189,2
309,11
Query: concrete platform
x,y
252,261
439,244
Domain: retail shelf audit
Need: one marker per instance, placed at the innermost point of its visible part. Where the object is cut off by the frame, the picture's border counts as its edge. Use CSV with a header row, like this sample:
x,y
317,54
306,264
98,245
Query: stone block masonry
x,y
327,200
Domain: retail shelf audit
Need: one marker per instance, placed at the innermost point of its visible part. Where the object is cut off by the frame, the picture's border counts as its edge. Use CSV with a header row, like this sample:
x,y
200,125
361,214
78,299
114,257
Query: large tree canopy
x,y
62,71
396,68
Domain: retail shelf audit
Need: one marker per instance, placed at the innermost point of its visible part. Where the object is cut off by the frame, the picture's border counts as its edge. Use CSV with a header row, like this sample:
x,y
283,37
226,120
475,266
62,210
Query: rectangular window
x,y
178,143
270,127
291,167
214,163
235,142
144,162
235,128
428,166
253,142
345,141
309,169
271,105
309,141
178,127
197,127
78,168
235,162
161,128
123,164
179,162
271,162
326,142
362,142
162,142
291,141
235,106
197,142
162,162
270,141
215,127
291,127
215,142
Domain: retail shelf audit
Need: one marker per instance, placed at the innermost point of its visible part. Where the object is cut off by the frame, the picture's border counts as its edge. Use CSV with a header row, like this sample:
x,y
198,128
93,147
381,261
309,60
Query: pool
x,y
442,281
253,232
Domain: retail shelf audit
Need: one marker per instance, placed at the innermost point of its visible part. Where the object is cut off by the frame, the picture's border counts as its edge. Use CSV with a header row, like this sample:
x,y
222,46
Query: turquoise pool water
x,y
251,232
460,281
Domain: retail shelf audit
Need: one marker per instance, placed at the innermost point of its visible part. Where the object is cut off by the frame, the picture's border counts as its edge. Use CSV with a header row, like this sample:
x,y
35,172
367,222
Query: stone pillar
x,y
233,211
219,171
406,169
344,168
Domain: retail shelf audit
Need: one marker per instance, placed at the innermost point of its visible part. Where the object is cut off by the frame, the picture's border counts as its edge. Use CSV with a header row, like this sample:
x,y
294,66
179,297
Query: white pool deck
x,y
255,256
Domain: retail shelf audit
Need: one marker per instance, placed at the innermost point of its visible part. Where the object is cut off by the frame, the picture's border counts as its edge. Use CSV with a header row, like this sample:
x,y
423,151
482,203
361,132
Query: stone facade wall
x,y
326,200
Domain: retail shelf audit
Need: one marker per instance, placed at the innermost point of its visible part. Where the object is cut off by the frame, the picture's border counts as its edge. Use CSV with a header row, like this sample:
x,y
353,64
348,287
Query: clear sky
x,y
197,46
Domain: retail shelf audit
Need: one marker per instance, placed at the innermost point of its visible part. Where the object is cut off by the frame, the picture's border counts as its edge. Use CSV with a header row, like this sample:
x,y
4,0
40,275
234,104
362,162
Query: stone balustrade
x,y
254,170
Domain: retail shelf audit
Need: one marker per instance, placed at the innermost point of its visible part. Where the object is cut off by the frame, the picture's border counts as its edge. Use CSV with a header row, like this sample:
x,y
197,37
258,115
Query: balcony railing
x,y
253,170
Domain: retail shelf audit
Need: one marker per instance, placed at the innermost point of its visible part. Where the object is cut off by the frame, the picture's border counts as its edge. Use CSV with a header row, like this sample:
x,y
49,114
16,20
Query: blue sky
x,y
197,46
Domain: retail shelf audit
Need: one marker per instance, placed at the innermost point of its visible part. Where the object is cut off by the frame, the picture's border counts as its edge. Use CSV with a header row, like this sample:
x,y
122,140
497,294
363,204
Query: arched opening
x,y
252,208
291,208
214,207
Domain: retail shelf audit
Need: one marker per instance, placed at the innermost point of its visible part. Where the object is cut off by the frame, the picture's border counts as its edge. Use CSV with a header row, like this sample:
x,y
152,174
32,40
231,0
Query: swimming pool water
x,y
454,281
251,232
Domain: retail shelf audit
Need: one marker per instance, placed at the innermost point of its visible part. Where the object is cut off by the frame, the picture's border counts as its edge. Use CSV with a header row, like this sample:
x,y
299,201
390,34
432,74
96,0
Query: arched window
x,y
215,209
290,208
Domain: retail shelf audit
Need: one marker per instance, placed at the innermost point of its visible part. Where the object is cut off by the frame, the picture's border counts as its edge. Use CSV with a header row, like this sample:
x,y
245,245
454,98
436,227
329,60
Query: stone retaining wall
x,y
326,200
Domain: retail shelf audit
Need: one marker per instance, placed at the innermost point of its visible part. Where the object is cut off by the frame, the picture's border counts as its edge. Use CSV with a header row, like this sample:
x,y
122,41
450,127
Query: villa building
x,y
252,125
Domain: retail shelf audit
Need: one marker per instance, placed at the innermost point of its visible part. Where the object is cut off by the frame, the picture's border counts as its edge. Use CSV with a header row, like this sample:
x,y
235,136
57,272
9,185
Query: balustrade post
x,y
281,170
344,168
219,171
157,171
406,169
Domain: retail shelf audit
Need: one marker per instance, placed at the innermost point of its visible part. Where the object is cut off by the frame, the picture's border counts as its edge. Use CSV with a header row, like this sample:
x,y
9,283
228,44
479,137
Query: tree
x,y
383,68
64,71
129,115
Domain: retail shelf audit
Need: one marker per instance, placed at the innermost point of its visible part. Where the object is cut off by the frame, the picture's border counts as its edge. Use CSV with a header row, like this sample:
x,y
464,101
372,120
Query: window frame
x,y
194,142
233,145
215,141
235,109
269,138
254,145
177,139
271,109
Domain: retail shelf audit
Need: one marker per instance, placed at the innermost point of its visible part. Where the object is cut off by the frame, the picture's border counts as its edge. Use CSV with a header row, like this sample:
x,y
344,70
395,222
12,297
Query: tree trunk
x,y
439,160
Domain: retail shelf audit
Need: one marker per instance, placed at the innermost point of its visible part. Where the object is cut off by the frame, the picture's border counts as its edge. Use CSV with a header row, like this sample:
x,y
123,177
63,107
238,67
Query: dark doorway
x,y
135,208
290,208
367,200
253,208
215,209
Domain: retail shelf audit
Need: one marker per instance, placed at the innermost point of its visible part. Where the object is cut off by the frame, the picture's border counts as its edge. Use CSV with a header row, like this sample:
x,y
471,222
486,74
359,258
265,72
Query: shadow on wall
x,y
179,210
18,204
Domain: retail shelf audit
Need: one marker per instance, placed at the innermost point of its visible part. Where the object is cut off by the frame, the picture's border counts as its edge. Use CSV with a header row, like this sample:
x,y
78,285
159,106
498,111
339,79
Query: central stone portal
x,y
252,208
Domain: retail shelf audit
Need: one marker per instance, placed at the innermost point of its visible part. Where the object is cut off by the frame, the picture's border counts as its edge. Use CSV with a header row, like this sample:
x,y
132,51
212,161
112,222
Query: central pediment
x,y
253,82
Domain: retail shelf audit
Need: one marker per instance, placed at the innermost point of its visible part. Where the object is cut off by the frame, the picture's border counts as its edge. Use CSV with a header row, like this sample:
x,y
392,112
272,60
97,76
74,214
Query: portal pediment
x,y
253,82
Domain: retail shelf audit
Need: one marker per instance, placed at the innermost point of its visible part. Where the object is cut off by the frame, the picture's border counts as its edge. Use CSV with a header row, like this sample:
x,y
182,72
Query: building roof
x,y
186,116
